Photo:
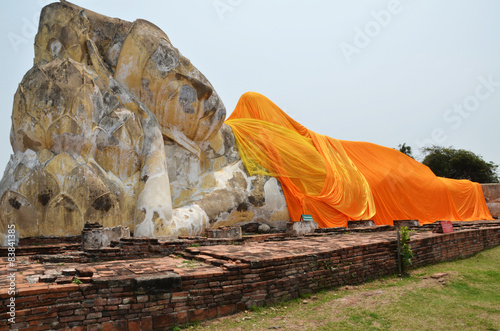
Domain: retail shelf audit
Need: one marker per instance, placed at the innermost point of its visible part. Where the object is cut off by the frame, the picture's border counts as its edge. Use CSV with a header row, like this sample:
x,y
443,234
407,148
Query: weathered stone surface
x,y
47,278
68,272
494,208
86,148
113,124
492,195
491,191
168,84
52,272
99,237
84,272
359,224
228,196
227,233
263,228
158,283
300,228
401,223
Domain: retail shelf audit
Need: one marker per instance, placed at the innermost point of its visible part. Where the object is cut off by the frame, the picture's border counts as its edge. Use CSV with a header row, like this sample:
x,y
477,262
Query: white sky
x,y
415,77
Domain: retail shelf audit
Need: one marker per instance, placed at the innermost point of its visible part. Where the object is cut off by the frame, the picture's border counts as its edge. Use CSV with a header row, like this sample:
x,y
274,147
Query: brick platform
x,y
217,280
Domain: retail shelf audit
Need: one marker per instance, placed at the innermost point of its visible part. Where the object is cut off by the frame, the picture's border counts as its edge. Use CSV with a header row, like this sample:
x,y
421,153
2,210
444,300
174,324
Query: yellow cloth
x,y
336,181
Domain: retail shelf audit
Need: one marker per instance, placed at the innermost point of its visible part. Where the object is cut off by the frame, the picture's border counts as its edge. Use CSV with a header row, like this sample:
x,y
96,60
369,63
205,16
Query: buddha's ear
x,y
203,90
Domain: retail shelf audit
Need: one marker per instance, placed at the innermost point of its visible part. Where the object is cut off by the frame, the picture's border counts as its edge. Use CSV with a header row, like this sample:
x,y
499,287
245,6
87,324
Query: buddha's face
x,y
139,56
173,89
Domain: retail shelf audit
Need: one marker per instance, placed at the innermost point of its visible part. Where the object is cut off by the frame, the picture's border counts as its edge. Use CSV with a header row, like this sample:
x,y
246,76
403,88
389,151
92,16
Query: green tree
x,y
405,149
459,164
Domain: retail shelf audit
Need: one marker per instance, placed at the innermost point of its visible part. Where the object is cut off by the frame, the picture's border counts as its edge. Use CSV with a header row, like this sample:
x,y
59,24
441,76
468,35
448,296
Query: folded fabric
x,y
336,181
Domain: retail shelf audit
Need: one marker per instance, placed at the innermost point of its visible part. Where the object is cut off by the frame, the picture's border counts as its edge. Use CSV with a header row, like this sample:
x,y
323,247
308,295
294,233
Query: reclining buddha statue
x,y
113,125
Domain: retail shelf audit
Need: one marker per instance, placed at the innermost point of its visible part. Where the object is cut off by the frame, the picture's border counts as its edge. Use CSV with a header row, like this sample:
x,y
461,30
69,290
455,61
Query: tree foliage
x,y
459,164
405,149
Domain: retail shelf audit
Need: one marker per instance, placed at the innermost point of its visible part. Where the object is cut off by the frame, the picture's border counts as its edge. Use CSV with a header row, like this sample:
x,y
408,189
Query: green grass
x,y
76,281
468,298
190,264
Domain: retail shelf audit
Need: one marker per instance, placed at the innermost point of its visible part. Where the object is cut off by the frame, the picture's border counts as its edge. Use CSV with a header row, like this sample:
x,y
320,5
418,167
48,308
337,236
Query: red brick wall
x,y
160,302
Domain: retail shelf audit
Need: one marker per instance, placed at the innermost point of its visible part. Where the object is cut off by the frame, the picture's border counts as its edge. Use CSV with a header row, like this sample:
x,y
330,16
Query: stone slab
x,y
409,223
301,228
98,237
227,233
360,224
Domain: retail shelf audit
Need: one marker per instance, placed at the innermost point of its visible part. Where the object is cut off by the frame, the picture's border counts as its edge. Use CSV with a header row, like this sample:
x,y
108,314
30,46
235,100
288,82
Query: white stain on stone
x,y
28,158
126,68
275,199
145,229
190,220
154,198
55,47
227,173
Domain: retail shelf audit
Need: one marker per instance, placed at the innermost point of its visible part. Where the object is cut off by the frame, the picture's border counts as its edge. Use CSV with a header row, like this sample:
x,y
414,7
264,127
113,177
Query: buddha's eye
x,y
166,57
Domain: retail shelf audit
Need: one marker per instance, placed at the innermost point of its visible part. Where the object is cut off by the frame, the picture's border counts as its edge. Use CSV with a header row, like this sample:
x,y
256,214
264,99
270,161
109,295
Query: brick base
x,y
127,303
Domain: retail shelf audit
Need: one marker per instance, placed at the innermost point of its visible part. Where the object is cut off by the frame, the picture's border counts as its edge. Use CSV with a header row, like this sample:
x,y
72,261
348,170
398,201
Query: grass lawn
x,y
466,298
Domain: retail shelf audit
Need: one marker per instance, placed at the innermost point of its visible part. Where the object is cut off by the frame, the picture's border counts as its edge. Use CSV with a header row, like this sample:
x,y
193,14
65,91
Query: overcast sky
x,y
388,72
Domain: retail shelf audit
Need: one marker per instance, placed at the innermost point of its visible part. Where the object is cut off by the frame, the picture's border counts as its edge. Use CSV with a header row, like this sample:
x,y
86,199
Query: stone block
x,y
85,271
491,192
494,208
409,223
264,228
225,233
360,224
301,228
47,278
251,227
96,237
69,272
256,227
492,196
158,283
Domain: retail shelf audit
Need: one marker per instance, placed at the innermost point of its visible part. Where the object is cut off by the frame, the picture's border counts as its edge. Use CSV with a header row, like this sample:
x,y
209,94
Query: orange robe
x,y
336,181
